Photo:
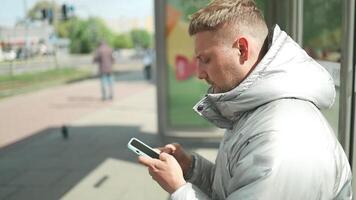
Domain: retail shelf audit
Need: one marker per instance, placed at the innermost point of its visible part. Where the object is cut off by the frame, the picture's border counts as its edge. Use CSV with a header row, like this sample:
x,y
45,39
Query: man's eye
x,y
205,60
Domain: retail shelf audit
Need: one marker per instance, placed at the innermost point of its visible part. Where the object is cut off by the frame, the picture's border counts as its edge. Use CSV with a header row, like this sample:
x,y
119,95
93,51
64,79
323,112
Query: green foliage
x,y
329,39
122,41
183,95
262,5
63,29
85,35
322,23
141,38
35,12
188,7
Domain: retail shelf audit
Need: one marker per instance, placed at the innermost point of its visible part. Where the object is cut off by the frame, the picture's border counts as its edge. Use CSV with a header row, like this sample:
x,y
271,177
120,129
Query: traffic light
x,y
67,11
64,11
44,13
47,14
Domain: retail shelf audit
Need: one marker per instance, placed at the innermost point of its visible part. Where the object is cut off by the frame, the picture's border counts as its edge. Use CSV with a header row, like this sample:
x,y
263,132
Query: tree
x,y
141,38
64,28
322,23
85,35
35,13
122,41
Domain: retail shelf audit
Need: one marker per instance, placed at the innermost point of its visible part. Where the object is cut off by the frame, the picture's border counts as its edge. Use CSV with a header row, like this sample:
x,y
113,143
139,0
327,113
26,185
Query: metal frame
x,y
162,81
296,20
353,105
347,100
346,109
277,14
289,15
347,86
294,13
161,63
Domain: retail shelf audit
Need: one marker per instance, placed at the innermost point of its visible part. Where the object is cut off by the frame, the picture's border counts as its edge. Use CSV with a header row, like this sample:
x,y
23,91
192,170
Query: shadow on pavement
x,y
47,165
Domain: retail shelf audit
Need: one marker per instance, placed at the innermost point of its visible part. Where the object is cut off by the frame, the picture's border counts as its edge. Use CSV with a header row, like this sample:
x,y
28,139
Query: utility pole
x,y
55,24
26,50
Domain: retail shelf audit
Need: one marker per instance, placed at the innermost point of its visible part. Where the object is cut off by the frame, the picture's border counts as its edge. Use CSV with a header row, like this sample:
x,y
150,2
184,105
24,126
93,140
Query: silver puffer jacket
x,y
278,146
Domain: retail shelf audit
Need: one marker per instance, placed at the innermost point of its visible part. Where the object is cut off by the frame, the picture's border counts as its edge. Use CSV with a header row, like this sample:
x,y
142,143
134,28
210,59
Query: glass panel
x,y
322,41
322,29
184,89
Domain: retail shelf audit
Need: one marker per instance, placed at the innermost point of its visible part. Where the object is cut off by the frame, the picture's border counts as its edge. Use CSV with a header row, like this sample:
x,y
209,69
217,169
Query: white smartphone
x,y
141,148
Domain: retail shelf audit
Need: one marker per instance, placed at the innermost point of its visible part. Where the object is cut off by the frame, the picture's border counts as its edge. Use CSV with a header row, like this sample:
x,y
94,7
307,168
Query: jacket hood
x,y
286,71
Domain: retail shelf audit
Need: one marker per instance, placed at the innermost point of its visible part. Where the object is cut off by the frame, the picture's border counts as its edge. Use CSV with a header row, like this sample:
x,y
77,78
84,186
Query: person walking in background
x,y
267,93
147,62
104,58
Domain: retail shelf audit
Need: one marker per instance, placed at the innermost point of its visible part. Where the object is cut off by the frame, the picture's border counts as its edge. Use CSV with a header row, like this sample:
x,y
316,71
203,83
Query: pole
x,y
55,24
26,49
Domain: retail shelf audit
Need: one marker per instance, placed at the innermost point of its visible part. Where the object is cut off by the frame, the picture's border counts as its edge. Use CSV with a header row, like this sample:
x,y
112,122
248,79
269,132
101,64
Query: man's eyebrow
x,y
199,56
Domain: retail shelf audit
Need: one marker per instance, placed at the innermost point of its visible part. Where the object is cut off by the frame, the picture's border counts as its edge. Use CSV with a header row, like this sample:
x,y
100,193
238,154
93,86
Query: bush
x,y
141,38
122,41
85,35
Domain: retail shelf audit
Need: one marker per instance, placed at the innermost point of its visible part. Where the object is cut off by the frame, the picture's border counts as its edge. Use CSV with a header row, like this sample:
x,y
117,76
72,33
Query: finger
x,y
151,163
151,173
173,147
145,160
158,150
153,170
166,150
164,156
154,177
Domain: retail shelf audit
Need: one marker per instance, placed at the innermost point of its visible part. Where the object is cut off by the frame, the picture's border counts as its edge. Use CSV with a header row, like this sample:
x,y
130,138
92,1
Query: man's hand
x,y
184,159
166,171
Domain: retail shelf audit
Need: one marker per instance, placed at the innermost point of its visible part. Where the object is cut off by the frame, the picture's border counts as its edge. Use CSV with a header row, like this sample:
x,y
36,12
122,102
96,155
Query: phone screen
x,y
144,149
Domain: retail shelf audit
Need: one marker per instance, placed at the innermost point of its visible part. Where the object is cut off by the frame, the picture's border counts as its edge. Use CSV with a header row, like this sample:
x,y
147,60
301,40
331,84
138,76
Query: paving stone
x,y
6,192
38,178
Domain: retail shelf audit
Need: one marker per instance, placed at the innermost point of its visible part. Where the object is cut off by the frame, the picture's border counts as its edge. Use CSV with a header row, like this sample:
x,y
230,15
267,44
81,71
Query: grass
x,y
23,83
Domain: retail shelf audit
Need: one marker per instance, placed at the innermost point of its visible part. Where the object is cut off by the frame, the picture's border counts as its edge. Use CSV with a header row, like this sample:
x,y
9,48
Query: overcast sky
x,y
13,10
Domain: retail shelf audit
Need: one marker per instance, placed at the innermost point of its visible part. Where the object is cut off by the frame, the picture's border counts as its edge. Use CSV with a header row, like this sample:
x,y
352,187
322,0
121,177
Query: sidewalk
x,y
93,162
26,114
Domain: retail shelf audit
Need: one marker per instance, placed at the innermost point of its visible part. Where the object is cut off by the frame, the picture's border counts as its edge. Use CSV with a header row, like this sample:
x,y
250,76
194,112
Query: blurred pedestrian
x,y
104,58
147,62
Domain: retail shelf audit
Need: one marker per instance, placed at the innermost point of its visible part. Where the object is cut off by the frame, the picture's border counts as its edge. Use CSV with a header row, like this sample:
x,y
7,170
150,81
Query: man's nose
x,y
201,74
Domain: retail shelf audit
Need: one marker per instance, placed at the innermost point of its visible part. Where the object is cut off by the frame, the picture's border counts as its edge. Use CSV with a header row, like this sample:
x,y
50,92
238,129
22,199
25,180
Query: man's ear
x,y
242,45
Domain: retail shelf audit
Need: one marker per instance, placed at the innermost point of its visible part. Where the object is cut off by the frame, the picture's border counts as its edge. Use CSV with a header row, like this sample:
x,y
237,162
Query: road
x,y
43,63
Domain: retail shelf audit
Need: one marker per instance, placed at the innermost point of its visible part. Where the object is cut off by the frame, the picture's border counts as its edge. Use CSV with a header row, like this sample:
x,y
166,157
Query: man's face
x,y
218,61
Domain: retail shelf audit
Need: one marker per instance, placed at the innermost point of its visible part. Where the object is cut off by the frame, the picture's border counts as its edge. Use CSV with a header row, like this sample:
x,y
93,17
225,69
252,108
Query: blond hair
x,y
242,13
